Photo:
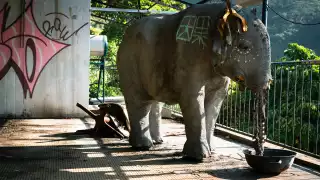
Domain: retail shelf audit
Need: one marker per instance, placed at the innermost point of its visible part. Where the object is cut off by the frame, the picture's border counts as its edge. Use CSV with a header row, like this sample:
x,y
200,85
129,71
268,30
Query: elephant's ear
x,y
229,26
226,37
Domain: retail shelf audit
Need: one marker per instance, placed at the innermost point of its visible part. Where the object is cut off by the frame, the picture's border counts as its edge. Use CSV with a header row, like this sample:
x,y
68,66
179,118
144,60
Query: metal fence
x,y
293,106
110,81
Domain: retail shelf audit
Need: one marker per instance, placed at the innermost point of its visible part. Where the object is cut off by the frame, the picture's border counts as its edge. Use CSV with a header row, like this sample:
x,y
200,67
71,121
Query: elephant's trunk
x,y
260,71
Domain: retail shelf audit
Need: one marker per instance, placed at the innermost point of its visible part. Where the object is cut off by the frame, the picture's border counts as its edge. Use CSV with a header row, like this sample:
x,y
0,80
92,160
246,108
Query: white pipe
x,y
118,99
131,10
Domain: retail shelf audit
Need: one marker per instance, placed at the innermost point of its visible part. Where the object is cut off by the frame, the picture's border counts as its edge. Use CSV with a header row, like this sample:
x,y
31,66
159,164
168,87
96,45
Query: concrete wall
x,y
44,58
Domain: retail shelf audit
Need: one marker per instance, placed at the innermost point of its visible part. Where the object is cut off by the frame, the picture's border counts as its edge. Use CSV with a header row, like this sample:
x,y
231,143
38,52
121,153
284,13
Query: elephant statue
x,y
189,58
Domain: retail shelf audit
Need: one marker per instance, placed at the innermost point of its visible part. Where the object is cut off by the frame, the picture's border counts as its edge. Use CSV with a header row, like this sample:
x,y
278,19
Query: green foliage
x,y
298,52
113,25
95,31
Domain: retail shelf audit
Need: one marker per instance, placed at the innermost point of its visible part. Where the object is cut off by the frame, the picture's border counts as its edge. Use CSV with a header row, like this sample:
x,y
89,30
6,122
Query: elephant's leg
x,y
215,92
192,106
138,112
155,122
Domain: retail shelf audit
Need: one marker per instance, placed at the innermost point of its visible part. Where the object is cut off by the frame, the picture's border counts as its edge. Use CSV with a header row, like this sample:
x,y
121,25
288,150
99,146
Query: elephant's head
x,y
242,51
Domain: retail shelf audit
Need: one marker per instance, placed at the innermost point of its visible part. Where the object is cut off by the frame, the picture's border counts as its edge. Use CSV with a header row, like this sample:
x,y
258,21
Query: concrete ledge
x,y
301,159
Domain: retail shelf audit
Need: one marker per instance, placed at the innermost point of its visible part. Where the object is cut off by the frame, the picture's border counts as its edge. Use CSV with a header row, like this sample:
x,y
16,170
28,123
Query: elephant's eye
x,y
243,47
239,78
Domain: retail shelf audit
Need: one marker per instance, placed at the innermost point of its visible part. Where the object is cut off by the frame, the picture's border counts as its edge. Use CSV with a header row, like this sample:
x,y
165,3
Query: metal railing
x,y
293,109
111,81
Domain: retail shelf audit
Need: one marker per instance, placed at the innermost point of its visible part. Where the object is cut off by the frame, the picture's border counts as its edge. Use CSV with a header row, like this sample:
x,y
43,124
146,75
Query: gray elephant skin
x,y
183,59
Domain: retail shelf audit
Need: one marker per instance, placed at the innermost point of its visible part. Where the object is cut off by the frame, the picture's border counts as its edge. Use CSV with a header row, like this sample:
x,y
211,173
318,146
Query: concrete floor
x,y
48,149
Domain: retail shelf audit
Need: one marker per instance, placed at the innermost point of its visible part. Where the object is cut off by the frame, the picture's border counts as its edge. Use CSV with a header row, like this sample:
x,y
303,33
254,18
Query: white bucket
x,y
98,45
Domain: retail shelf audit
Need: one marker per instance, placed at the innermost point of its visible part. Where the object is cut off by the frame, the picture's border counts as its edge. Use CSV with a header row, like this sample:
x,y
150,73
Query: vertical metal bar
x,y
235,109
254,118
227,106
267,116
280,109
274,101
244,109
317,138
301,112
103,78
265,12
287,105
222,111
249,112
219,116
310,105
231,106
294,105
139,8
240,120
99,80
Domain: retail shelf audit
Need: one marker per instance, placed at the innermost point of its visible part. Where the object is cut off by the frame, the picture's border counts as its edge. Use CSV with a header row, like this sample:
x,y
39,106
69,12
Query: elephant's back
x,y
146,55
136,37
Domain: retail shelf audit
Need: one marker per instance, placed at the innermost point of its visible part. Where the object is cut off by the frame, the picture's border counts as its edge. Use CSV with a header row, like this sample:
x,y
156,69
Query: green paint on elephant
x,y
194,29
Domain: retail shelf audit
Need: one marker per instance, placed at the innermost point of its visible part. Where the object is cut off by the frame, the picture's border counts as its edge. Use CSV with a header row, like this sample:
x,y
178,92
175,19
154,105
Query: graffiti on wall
x,y
58,28
24,36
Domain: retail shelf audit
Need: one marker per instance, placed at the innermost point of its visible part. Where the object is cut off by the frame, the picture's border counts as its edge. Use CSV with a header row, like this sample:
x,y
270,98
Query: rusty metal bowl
x,y
273,161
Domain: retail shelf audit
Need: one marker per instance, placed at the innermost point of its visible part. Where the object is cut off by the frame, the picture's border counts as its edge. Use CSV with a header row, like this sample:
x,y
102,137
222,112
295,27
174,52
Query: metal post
x,y
139,8
103,77
265,12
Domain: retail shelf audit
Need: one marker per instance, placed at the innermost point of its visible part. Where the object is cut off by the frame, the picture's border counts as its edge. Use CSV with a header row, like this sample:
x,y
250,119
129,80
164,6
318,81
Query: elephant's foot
x,y
211,142
138,111
155,122
157,141
196,151
140,144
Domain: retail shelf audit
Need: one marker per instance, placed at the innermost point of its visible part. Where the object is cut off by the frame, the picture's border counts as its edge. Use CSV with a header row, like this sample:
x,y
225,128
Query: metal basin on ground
x,y
274,161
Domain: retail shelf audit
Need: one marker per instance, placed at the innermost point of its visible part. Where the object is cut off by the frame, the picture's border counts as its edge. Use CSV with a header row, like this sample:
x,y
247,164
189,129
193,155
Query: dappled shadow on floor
x,y
239,173
67,137
80,162
53,151
113,161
